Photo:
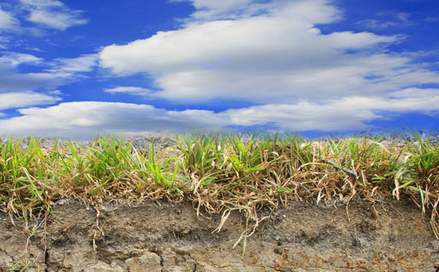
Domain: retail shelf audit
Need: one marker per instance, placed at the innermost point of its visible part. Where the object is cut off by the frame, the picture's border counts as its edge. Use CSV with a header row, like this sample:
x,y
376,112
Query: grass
x,y
220,174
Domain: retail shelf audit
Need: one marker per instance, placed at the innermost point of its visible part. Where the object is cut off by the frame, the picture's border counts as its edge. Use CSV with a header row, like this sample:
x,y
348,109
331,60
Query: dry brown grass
x,y
220,174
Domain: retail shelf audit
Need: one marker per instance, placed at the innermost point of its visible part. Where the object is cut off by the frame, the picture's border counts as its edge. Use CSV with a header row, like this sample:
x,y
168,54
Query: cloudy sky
x,y
81,68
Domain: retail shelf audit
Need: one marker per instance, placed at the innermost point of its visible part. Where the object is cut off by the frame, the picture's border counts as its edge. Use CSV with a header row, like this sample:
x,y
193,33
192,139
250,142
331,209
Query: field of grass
x,y
220,174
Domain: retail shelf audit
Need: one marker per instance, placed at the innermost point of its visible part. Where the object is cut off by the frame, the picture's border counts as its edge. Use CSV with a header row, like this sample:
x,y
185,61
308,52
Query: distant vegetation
x,y
220,174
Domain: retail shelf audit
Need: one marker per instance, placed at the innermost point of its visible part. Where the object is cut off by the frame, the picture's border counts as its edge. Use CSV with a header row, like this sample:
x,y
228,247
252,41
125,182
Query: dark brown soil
x,y
153,237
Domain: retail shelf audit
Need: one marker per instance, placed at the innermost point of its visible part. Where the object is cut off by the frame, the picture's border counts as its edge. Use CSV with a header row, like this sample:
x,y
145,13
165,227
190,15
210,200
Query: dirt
x,y
164,237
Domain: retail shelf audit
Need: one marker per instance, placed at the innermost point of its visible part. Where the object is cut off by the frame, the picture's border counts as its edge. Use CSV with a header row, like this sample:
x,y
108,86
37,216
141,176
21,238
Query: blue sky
x,y
81,68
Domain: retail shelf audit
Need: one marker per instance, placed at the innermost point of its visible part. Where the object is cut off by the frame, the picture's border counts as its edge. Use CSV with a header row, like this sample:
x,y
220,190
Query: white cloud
x,y
13,59
21,90
270,53
81,64
56,20
348,113
52,14
4,41
277,55
7,21
17,90
11,80
60,72
388,20
210,9
130,90
14,100
88,119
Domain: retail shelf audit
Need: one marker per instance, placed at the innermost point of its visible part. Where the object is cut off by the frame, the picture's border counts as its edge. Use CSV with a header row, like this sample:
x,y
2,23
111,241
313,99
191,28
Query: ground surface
x,y
152,237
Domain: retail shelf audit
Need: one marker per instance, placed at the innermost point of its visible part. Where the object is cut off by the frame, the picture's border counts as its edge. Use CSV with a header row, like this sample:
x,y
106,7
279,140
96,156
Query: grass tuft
x,y
220,174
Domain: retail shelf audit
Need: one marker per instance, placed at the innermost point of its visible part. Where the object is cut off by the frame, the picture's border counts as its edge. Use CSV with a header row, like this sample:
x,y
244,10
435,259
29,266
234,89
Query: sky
x,y
83,68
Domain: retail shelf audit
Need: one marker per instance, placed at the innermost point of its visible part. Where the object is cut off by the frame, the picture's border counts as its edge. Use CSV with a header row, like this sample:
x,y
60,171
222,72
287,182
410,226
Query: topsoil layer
x,y
163,237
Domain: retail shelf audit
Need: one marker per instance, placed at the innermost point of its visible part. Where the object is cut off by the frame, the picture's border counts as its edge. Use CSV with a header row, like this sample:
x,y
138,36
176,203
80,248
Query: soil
x,y
164,237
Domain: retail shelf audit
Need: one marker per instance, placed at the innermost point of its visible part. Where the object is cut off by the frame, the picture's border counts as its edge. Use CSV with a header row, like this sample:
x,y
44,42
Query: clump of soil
x,y
164,237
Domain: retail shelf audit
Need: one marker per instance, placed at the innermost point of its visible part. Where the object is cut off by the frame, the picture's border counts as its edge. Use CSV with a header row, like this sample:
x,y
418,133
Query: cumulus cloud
x,y
4,41
13,59
58,72
11,80
21,90
211,9
275,55
348,113
14,100
88,119
270,54
387,20
7,21
130,90
81,64
52,14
